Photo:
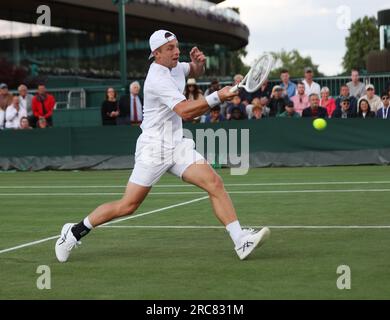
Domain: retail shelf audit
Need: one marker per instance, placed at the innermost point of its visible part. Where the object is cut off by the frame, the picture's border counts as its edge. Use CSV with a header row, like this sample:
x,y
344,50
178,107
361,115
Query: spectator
x,y
278,102
245,96
310,85
288,86
214,86
24,124
237,113
315,110
260,103
25,100
383,112
365,110
344,93
346,111
42,123
300,100
130,106
215,115
5,97
374,100
264,91
356,88
328,103
290,112
43,105
14,113
110,108
236,103
2,118
192,90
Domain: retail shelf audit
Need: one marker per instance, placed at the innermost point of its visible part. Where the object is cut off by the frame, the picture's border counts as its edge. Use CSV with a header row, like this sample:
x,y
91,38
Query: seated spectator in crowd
x,y
346,111
344,93
245,96
237,113
290,112
14,113
289,88
2,118
130,106
5,97
315,110
236,103
374,100
301,100
215,115
328,103
42,123
365,110
356,88
24,123
43,105
192,92
310,85
214,86
277,102
264,91
259,112
383,112
260,103
25,100
110,108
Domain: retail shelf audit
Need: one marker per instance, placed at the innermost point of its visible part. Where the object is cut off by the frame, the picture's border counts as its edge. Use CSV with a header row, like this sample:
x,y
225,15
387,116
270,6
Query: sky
x,y
317,28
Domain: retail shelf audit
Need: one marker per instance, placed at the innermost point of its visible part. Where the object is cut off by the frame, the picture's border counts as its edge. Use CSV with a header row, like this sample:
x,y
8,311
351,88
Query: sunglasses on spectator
x,y
370,89
345,102
385,98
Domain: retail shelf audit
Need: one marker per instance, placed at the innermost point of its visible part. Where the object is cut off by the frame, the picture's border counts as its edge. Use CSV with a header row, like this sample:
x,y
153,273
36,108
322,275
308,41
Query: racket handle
x,y
234,88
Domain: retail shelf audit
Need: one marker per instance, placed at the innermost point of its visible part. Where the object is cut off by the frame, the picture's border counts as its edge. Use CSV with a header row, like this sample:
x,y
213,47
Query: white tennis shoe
x,y
250,239
65,243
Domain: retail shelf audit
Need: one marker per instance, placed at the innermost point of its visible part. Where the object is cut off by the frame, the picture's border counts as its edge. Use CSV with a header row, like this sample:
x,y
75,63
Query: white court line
x,y
192,186
197,192
272,227
106,225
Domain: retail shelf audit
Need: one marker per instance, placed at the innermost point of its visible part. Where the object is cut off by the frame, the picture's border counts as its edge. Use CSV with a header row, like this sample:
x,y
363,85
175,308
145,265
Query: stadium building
x,y
83,39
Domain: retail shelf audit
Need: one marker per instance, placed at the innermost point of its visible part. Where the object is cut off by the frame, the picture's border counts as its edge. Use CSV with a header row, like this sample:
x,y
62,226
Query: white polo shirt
x,y
13,117
163,90
314,87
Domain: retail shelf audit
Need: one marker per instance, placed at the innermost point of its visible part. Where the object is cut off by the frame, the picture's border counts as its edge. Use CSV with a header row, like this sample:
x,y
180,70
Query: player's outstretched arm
x,y
197,64
188,110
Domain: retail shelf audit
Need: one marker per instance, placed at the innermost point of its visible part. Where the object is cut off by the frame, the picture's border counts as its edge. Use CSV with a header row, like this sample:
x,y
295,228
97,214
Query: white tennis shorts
x,y
153,159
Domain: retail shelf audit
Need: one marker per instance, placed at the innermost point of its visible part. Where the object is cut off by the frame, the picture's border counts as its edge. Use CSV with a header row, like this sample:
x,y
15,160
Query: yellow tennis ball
x,y
319,124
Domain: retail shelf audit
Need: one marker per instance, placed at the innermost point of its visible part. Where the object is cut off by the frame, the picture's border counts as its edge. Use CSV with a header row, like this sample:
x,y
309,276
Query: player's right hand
x,y
225,94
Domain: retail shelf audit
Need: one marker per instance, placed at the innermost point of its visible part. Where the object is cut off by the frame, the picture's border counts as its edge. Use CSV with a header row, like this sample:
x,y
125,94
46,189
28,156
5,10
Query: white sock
x,y
87,223
234,229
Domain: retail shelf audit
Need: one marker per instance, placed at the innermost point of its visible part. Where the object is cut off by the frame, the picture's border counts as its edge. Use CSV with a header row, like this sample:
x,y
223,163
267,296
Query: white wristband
x,y
213,99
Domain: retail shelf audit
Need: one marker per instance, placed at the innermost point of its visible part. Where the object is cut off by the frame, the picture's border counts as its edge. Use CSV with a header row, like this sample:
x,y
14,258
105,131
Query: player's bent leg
x,y
71,233
202,175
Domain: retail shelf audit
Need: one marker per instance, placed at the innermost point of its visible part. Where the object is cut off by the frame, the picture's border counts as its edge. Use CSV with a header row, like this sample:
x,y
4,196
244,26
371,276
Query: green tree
x,y
236,62
294,63
363,38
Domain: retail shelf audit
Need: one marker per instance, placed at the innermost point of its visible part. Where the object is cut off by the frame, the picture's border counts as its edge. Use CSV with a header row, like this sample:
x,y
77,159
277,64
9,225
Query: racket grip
x,y
234,88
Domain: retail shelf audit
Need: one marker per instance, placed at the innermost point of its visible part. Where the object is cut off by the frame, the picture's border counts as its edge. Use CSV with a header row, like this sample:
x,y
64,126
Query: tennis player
x,y
161,148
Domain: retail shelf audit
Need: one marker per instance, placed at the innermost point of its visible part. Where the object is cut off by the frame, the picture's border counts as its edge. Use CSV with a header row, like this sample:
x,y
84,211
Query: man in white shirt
x,y
25,99
374,100
161,148
310,85
14,113
356,88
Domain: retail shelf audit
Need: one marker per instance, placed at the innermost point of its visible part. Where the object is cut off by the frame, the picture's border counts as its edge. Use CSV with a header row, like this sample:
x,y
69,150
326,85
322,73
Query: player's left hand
x,y
197,56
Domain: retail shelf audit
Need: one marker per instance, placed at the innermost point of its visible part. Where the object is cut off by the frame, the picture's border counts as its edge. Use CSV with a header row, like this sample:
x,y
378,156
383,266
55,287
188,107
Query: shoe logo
x,y
63,240
246,245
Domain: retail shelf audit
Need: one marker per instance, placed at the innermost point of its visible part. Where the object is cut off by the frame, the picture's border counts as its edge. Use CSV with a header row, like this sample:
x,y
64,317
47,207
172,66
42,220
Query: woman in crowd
x,y
365,110
110,108
327,102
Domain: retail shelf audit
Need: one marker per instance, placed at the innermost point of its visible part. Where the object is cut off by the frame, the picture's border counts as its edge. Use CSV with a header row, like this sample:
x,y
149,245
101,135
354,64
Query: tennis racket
x,y
256,75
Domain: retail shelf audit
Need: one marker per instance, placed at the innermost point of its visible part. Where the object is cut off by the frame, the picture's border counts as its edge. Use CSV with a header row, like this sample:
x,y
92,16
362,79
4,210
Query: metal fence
x,y
66,98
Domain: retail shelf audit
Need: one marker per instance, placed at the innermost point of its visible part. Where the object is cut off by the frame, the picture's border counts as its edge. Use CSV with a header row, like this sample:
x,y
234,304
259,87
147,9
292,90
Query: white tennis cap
x,y
159,38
